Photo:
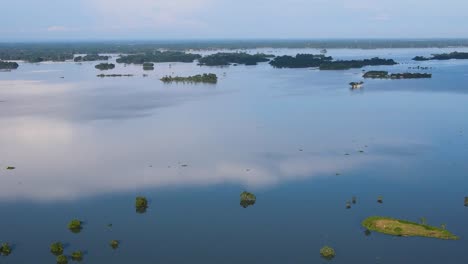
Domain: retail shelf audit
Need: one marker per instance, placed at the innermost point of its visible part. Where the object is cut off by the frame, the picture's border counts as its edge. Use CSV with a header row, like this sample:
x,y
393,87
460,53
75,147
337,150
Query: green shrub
x,y
5,249
141,204
247,199
77,256
61,259
75,226
114,244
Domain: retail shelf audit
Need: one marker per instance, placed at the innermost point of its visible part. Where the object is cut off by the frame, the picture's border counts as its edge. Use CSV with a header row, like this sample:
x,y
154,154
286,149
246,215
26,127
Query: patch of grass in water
x,y
247,199
114,244
75,226
327,252
397,227
56,248
61,259
141,204
77,256
5,249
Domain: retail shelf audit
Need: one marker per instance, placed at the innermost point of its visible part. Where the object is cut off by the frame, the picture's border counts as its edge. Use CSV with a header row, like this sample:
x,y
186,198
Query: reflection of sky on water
x,y
258,127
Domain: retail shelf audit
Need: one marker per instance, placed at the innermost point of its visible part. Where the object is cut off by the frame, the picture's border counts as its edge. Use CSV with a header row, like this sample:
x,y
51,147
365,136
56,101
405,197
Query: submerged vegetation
x,y
158,56
199,78
327,252
247,199
141,204
444,56
56,248
105,66
386,75
75,226
90,57
396,227
5,249
6,65
227,58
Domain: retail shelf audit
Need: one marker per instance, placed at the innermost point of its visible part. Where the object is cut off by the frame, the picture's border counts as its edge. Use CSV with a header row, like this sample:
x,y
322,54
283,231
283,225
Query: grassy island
x,y
300,61
61,259
247,199
444,56
148,66
205,78
91,57
56,248
114,244
466,201
105,66
77,256
356,85
396,227
6,65
386,75
141,204
225,58
158,56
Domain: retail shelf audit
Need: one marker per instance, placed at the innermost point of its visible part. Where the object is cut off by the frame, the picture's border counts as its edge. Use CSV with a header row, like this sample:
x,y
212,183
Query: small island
x,y
199,78
114,244
141,204
105,66
77,256
91,57
114,75
356,85
6,65
247,199
75,226
386,75
62,259
396,227
225,58
158,56
444,56
300,61
355,64
148,66
466,201
327,252
56,248
5,249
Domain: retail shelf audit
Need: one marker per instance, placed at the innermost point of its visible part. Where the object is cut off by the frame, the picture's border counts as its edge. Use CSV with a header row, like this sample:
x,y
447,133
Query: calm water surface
x,y
84,147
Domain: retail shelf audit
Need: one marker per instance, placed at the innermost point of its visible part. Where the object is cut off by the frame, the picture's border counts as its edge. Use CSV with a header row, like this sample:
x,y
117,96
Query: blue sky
x,y
185,19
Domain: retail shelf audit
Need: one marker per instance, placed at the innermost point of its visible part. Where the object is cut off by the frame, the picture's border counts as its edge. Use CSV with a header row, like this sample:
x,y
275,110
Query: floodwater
x,y
84,147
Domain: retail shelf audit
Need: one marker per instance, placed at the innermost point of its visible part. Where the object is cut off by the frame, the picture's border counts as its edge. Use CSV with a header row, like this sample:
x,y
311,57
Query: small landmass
x,y
444,56
356,85
327,252
114,75
114,244
466,201
300,61
386,75
200,78
6,65
56,248
158,56
62,259
75,226
247,199
5,249
91,57
355,64
396,227
141,204
77,255
226,58
105,66
148,66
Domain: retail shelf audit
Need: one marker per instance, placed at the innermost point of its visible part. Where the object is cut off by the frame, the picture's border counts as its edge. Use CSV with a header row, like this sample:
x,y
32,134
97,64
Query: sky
x,y
239,19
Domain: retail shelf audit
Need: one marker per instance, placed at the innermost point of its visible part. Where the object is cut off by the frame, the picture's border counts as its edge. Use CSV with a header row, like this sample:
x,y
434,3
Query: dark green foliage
x,y
114,244
141,204
75,226
61,259
247,199
105,66
353,64
5,249
205,78
91,57
10,168
77,256
300,61
224,58
56,248
386,75
444,56
466,201
158,56
6,65
327,252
